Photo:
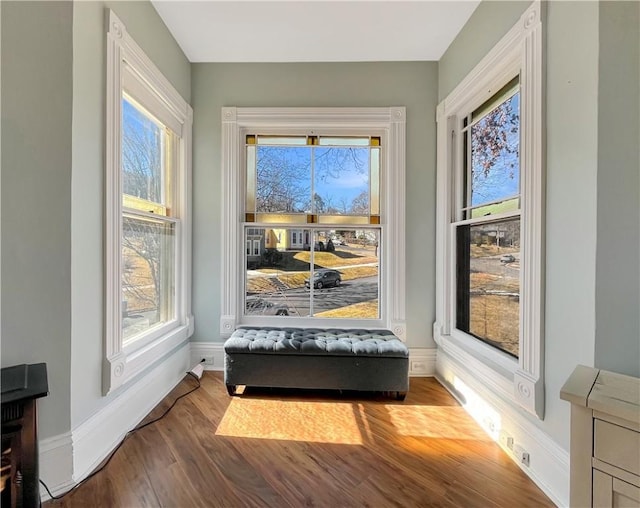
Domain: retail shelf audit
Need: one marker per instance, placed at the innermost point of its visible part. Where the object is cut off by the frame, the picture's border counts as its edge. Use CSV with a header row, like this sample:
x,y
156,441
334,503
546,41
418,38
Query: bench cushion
x,y
314,341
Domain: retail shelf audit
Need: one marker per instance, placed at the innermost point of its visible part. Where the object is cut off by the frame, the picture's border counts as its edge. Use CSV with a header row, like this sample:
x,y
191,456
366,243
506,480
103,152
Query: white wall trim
x,y
208,350
128,67
56,464
68,458
519,52
390,122
422,361
97,436
549,462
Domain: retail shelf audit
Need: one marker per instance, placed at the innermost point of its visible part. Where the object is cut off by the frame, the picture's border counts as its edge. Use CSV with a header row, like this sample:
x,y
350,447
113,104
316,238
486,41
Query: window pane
x,y
345,282
375,181
283,179
148,266
284,183
274,279
341,181
143,146
488,283
250,198
347,220
280,140
509,205
346,141
495,152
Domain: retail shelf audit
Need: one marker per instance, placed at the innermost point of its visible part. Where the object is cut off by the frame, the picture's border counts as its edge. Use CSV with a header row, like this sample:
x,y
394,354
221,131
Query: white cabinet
x,y
605,438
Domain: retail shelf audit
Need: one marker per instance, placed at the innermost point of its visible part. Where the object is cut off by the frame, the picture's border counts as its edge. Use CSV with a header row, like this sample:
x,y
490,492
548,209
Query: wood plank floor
x,y
293,448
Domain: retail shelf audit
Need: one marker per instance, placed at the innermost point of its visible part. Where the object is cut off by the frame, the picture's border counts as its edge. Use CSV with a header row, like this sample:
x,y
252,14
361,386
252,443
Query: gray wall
x,y
36,196
572,172
87,186
413,85
486,26
53,82
618,262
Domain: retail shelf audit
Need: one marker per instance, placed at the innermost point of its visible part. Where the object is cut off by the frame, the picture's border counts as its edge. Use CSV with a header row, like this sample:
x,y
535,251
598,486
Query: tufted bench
x,y
365,360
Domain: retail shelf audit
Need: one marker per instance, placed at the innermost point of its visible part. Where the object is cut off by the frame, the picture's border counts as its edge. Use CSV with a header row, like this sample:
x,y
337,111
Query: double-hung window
x,y
489,293
323,191
147,214
487,224
322,194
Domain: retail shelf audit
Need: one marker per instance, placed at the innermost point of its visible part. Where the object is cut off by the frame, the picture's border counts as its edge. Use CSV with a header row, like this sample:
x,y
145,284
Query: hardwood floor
x,y
293,448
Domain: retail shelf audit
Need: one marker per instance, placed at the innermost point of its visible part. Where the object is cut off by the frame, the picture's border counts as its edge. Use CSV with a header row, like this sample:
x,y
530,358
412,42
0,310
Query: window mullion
x,y
488,219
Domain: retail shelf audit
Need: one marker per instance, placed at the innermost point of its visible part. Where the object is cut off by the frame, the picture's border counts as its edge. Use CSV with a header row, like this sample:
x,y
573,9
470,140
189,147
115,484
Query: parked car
x,y
324,278
256,305
507,258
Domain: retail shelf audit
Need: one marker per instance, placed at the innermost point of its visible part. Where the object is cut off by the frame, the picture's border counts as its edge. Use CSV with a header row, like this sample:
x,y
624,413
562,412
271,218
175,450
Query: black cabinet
x,y
21,386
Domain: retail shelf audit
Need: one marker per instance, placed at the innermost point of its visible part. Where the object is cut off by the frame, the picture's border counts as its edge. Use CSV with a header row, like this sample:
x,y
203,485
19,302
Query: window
x,y
490,215
326,188
148,222
488,250
315,180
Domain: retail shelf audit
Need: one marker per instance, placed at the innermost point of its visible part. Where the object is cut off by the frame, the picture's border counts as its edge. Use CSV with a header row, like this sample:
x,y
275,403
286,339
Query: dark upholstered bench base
x,y
317,359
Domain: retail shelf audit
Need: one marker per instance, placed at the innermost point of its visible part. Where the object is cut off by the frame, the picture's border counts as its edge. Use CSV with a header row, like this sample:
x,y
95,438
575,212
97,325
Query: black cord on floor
x,y
126,436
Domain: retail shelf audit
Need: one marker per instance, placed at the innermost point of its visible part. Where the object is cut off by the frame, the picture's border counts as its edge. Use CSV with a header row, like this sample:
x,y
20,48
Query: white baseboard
x,y
212,351
422,361
549,462
96,437
68,458
56,464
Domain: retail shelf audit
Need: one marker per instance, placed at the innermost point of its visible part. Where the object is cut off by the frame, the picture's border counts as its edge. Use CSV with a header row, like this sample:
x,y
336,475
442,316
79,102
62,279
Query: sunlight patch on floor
x,y
487,417
442,422
318,422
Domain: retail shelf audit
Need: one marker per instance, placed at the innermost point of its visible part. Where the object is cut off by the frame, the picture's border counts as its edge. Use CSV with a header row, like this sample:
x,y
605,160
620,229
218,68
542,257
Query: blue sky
x,y
340,173
502,180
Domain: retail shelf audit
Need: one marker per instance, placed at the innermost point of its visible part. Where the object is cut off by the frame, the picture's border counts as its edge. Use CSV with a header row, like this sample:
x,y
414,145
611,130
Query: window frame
x,y
463,213
519,52
130,70
387,122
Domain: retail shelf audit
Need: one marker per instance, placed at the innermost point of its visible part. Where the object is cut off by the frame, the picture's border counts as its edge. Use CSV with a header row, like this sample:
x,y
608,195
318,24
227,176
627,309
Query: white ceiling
x,y
314,31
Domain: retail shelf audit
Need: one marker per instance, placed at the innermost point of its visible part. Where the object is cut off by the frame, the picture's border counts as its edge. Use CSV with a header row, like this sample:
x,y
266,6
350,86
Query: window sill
x,y
495,369
122,367
498,372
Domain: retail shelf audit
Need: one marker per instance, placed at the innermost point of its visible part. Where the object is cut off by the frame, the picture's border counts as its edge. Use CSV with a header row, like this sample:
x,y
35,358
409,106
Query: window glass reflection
x,y
280,281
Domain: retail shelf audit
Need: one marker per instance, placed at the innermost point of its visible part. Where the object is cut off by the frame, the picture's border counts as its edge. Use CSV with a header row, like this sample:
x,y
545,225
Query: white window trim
x,y
126,62
519,51
390,122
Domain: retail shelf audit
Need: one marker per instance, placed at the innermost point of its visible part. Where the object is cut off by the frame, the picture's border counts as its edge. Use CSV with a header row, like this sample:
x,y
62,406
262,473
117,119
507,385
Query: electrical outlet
x,y
418,367
488,424
521,455
207,360
506,440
